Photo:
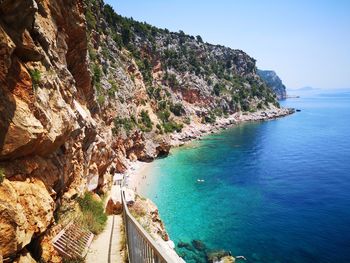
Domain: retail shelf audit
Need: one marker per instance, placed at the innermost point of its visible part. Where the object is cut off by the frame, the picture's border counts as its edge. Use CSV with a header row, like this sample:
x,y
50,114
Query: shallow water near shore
x,y
274,191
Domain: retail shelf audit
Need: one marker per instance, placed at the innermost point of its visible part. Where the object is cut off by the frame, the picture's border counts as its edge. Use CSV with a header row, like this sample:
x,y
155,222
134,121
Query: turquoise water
x,y
274,191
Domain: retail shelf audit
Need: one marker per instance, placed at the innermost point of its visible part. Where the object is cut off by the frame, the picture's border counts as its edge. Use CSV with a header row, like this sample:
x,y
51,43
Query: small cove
x,y
274,191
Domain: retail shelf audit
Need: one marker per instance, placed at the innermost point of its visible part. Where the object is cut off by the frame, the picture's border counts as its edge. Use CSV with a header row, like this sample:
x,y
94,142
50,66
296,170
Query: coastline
x,y
137,171
136,176
197,130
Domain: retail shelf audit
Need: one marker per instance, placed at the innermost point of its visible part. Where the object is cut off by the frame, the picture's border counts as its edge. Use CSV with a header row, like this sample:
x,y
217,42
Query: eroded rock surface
x,y
26,210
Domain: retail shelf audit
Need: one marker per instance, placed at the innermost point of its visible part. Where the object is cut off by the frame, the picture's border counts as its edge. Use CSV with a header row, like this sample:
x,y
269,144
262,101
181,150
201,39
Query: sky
x,y
307,42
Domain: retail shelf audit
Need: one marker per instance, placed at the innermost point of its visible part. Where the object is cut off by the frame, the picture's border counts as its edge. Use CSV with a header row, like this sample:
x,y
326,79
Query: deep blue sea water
x,y
274,191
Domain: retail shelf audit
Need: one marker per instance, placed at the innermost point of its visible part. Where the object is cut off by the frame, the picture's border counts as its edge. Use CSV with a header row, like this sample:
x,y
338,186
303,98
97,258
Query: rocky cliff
x,y
83,90
274,82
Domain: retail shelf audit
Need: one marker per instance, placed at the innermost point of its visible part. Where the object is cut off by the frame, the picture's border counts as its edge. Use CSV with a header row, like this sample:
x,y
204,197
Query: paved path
x,y
105,248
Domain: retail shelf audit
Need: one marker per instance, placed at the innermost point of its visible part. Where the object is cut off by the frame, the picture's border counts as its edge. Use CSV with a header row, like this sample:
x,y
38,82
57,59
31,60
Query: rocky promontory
x,y
274,82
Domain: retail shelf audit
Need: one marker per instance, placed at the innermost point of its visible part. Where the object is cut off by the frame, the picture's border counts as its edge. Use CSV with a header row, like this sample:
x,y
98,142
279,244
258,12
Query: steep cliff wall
x,y
83,90
274,82
49,141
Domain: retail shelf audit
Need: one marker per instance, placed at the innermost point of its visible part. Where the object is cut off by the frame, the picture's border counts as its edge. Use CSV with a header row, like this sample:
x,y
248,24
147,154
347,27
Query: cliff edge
x,y
274,82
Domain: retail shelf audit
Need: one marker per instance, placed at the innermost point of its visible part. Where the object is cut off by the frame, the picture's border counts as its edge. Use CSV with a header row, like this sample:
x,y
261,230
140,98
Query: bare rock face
x,y
50,135
139,147
163,149
26,210
38,117
7,46
49,254
192,95
148,213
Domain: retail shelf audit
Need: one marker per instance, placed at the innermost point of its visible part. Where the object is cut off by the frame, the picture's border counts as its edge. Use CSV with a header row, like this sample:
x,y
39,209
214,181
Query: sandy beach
x,y
136,175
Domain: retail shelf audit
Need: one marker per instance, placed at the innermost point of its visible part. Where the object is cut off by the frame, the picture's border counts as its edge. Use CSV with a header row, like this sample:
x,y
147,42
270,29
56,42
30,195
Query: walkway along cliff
x,y
84,91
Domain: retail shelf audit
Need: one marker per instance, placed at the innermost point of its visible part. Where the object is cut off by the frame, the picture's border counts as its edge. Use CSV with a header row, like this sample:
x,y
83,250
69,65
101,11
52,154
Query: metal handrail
x,y
141,246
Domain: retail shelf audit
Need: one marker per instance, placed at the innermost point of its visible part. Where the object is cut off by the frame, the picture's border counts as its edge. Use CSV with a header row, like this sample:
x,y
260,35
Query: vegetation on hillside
x,y
93,215
186,62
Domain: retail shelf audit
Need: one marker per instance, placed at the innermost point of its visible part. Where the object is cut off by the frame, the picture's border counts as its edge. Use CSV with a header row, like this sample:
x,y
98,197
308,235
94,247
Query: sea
x,y
273,191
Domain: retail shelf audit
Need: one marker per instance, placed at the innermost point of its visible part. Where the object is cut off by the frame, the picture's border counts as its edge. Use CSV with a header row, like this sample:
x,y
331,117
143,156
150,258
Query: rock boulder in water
x,y
198,245
217,255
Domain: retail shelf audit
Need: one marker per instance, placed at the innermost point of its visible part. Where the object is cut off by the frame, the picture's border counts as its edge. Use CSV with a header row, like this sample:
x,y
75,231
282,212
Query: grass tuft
x,y
2,175
93,215
36,77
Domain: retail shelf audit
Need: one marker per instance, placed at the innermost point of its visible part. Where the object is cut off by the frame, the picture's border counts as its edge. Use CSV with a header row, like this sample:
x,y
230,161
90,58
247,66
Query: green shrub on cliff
x,y
171,81
36,77
199,39
126,35
164,115
93,215
90,18
101,99
177,109
145,123
2,175
128,124
171,126
162,105
217,89
145,67
210,118
159,129
168,124
96,78
92,54
113,89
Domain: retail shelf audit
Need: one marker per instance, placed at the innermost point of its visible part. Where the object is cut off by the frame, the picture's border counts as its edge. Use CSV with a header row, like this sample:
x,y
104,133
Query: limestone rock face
x,y
274,82
50,139
6,48
37,116
49,254
26,210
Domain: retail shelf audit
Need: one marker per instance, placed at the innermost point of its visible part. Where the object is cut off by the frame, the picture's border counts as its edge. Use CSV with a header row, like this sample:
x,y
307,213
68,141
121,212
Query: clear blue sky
x,y
307,42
